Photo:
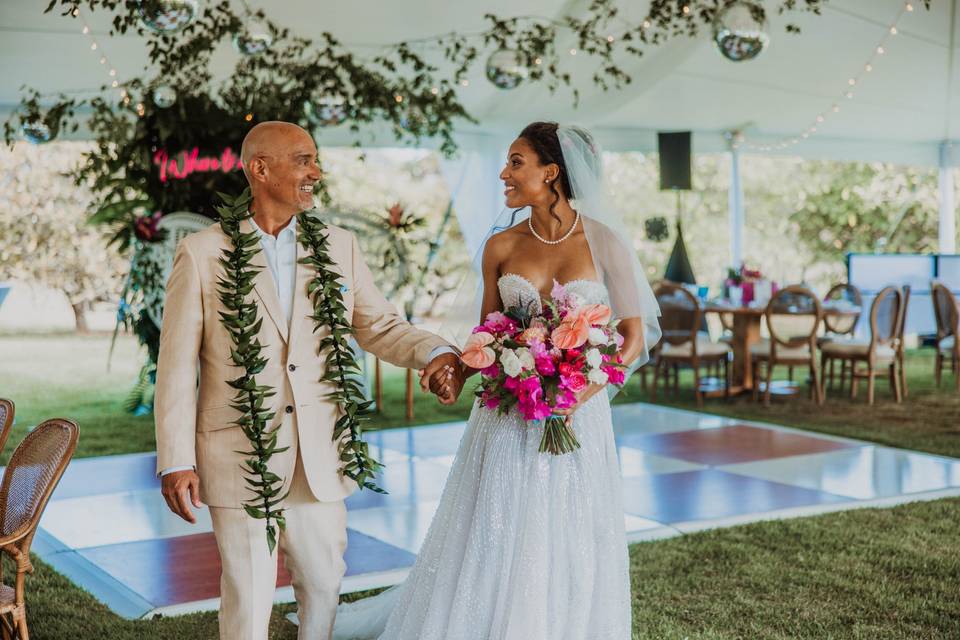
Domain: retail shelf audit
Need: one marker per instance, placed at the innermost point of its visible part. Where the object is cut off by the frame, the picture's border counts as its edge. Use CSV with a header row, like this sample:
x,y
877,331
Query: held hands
x,y
179,489
444,377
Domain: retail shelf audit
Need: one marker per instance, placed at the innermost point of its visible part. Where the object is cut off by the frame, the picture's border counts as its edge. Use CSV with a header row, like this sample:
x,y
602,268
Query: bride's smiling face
x,y
526,180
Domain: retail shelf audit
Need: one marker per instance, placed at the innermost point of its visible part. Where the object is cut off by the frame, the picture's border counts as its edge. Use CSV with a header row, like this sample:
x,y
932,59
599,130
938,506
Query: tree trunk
x,y
80,315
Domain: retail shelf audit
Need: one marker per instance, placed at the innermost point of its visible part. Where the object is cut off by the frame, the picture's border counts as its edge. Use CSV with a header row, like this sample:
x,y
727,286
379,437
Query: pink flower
x,y
575,382
491,401
565,399
534,410
493,371
559,293
496,322
545,365
615,375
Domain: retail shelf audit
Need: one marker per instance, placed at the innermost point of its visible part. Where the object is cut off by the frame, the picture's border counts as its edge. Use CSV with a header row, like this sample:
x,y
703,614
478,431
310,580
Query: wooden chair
x,y
947,313
901,332
879,351
31,476
840,327
680,319
793,318
7,412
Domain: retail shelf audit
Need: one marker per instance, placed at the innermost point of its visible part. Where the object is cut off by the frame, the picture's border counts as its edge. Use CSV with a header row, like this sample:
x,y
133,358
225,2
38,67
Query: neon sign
x,y
187,162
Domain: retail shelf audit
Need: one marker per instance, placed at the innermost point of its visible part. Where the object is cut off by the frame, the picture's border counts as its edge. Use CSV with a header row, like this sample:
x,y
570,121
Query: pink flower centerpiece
x,y
541,363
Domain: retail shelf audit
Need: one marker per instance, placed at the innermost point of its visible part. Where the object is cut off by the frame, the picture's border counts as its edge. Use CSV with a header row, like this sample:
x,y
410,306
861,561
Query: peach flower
x,y
572,332
476,354
596,314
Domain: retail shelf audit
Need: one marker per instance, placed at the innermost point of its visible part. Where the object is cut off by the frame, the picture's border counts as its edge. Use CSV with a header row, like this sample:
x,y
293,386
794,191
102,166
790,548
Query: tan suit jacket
x,y
194,423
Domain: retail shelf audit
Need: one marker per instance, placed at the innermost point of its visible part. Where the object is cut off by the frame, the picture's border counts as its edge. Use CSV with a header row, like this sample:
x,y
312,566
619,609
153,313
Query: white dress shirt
x,y
280,253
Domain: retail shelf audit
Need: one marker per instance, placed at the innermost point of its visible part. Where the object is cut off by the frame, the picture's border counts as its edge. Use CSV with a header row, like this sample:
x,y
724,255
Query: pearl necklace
x,y
558,240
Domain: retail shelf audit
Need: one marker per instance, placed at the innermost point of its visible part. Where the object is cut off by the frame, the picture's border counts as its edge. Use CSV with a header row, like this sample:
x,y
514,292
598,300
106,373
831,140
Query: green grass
x,y
872,573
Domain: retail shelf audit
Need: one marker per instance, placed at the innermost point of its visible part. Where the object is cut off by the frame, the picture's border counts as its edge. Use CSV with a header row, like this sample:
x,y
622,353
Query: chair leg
x,y
854,380
870,384
817,382
696,383
766,392
790,373
938,366
895,377
904,392
726,378
656,380
824,363
22,632
676,380
756,380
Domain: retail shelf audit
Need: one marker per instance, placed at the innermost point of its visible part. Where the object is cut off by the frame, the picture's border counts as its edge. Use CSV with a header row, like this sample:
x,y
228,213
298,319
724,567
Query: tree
x,y
44,235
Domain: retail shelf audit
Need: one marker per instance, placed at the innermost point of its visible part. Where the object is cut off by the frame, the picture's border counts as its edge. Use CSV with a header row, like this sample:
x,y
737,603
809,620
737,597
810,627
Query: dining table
x,y
746,332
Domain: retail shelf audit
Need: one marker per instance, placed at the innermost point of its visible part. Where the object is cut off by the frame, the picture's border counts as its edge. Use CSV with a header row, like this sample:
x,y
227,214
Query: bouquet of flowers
x,y
539,363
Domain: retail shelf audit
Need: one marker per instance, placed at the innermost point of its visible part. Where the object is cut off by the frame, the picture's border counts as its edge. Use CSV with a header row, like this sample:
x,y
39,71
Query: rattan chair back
x,y
843,324
793,317
680,314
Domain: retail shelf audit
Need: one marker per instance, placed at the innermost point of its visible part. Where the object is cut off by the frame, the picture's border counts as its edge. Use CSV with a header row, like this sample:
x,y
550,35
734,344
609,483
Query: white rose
x,y
596,336
511,363
597,376
594,358
526,359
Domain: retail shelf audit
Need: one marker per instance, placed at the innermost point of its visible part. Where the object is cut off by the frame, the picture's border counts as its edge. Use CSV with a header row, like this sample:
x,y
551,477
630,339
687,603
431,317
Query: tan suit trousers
x,y
313,544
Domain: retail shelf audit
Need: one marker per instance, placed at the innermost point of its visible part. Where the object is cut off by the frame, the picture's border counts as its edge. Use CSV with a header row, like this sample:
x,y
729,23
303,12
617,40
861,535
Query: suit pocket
x,y
217,418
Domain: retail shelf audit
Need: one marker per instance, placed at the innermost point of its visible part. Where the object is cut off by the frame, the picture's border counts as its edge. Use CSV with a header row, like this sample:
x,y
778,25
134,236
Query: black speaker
x,y
674,151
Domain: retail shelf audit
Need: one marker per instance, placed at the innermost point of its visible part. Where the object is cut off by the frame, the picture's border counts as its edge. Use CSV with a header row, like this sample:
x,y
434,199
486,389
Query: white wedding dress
x,y
524,545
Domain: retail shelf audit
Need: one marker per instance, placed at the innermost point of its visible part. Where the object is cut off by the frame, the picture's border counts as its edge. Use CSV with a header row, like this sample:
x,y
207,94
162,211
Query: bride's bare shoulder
x,y
503,241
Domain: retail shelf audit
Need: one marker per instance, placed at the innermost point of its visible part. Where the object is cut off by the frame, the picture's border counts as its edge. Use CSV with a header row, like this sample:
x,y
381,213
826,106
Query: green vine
x,y
243,324
326,295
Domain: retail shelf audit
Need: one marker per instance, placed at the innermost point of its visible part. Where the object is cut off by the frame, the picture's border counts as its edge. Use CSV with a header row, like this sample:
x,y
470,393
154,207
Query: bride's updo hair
x,y
542,136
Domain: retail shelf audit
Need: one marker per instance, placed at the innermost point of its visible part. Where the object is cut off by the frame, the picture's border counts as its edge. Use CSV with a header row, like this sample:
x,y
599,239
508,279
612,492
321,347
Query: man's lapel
x,y
301,316
265,288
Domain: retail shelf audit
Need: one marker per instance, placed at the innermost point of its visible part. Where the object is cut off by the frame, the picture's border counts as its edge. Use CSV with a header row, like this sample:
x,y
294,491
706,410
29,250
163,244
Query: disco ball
x,y
164,96
167,16
328,111
657,228
506,69
36,132
739,35
254,39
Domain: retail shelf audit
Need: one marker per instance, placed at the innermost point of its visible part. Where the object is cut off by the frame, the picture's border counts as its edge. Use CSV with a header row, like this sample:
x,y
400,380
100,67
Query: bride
x,y
524,545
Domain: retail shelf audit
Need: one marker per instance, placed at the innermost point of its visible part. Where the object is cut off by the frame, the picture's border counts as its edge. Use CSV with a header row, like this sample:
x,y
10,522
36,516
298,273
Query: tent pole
x,y
948,214
735,139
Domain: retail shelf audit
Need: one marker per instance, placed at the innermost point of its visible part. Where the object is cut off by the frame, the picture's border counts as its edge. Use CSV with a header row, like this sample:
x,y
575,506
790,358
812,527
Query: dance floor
x,y
108,528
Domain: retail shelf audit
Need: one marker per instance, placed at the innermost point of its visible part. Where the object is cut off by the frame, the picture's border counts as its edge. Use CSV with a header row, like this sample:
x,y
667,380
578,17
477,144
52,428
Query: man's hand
x,y
443,376
179,489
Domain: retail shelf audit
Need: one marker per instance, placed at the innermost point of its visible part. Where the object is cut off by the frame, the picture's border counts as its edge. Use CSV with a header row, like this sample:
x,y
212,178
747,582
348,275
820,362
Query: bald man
x,y
197,442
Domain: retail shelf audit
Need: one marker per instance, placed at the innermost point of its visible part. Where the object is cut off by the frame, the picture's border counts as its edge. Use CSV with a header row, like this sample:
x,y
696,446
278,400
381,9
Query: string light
x,y
111,70
853,81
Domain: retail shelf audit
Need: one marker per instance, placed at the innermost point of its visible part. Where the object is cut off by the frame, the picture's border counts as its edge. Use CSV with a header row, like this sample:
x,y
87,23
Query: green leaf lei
x,y
242,322
326,295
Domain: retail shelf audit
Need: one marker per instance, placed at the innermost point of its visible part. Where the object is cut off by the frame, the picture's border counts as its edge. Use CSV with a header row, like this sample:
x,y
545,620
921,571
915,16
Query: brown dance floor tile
x,y
731,444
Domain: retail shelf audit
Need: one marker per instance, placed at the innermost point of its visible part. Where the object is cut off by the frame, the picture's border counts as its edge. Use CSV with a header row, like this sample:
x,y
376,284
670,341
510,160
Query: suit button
x,y
289,408
292,367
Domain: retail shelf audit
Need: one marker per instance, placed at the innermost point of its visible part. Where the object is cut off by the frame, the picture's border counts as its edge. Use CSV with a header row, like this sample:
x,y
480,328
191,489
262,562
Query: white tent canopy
x,y
904,111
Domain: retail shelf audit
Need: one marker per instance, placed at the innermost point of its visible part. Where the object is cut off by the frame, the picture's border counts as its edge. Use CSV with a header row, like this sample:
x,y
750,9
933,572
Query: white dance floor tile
x,y
864,473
